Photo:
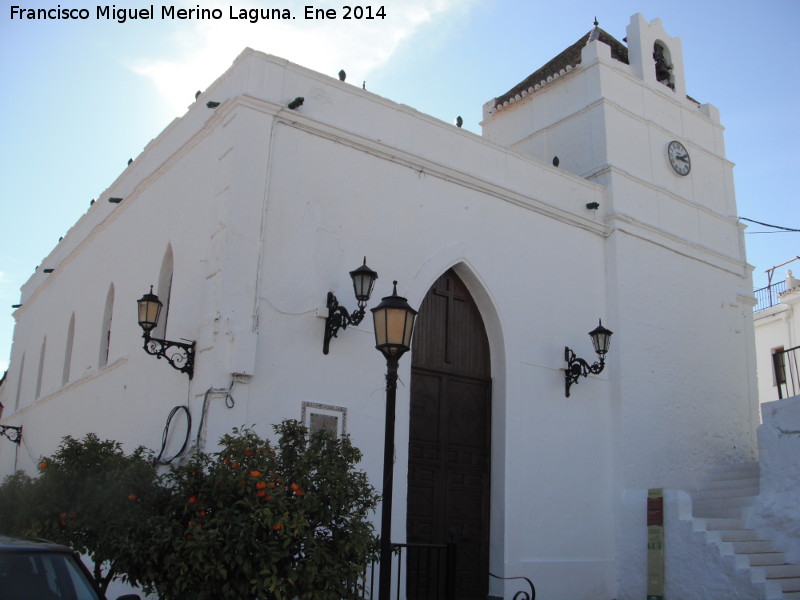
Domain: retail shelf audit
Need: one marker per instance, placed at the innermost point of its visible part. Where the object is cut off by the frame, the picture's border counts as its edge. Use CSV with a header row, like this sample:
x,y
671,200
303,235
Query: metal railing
x,y
419,572
522,594
768,295
428,572
787,373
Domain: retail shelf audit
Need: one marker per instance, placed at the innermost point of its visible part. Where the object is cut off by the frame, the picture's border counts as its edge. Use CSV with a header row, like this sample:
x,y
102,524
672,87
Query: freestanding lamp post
x,y
394,323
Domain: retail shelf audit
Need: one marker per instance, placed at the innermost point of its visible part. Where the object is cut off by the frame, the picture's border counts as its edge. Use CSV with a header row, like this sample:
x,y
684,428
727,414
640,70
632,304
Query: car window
x,y
44,576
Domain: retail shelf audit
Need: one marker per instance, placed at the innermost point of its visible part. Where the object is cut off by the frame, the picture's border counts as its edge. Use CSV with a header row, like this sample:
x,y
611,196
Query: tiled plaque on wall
x,y
318,417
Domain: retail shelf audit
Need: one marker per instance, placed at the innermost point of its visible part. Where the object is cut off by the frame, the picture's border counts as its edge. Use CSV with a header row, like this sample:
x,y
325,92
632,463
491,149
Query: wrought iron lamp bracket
x,y
12,433
577,368
339,318
180,355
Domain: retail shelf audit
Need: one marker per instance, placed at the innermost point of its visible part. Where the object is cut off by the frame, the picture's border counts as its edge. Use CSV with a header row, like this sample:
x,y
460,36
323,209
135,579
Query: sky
x,y
82,96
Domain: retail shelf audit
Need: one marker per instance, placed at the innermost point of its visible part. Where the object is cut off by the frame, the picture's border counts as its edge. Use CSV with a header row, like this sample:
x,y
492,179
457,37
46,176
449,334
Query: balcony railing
x,y
787,373
768,295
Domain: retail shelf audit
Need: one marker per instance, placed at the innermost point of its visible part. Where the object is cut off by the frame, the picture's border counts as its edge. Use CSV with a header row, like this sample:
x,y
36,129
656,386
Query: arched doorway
x,y
450,435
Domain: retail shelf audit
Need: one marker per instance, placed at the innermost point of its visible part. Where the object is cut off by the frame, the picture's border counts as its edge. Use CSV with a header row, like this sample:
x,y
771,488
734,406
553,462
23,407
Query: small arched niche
x,y
105,329
164,291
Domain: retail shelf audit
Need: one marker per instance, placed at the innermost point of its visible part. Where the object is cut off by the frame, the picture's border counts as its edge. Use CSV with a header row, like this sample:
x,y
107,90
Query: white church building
x,y
598,190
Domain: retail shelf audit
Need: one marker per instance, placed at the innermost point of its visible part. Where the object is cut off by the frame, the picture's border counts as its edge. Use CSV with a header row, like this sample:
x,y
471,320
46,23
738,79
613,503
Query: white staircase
x,y
721,505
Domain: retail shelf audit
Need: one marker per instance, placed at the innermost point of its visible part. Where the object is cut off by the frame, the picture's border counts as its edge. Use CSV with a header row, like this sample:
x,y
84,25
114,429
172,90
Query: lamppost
x,y
394,323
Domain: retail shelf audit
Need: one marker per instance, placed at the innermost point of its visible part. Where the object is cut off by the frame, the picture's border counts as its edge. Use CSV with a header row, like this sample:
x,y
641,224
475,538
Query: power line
x,y
779,227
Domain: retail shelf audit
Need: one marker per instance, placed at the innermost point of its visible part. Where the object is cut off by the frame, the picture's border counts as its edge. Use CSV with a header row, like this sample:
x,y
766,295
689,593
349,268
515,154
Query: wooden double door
x,y
450,437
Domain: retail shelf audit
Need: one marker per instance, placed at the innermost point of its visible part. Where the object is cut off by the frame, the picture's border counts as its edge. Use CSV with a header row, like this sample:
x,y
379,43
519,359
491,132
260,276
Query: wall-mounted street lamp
x,y
12,433
394,323
180,355
577,367
338,317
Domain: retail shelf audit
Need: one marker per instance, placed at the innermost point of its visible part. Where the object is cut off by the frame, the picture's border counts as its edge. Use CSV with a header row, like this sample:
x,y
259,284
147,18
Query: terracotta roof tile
x,y
566,61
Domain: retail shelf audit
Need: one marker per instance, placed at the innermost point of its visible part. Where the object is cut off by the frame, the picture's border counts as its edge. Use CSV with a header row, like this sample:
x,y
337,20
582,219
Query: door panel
x,y
449,442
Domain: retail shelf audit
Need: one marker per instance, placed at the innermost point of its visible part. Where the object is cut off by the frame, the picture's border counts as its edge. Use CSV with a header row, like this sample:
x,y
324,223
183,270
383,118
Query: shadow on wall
x,y
777,508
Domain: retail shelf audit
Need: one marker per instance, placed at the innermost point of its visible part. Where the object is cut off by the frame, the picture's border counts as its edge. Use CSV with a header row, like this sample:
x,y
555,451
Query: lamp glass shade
x,y
149,310
601,339
363,282
394,324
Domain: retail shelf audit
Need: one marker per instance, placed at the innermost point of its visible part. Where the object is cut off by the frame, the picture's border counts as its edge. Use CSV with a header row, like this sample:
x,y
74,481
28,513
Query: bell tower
x,y
618,114
654,56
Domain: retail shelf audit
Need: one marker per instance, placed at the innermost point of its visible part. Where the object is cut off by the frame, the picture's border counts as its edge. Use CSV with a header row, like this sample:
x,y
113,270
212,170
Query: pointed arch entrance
x,y
450,434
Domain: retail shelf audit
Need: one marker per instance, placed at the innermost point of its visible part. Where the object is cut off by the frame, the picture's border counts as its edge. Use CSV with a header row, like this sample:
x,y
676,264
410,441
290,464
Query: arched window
x,y
68,350
163,291
663,65
41,368
105,330
20,377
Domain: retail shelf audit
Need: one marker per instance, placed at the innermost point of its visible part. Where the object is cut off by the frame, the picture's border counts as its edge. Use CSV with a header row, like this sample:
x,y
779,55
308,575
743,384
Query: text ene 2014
x,y
348,12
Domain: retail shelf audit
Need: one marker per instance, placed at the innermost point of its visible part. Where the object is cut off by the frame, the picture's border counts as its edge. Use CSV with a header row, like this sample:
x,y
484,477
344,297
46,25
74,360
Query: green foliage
x,y
252,521
257,521
13,500
89,495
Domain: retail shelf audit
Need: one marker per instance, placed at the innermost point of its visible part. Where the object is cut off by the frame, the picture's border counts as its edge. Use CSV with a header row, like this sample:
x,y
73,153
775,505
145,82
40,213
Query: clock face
x,y
679,158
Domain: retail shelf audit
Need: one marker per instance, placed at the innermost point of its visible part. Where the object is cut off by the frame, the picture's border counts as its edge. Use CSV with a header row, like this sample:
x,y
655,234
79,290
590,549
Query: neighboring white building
x,y
777,334
245,214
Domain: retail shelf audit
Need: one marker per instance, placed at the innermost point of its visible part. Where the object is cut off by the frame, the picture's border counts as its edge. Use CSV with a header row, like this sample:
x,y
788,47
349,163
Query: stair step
x,y
726,502
720,506
739,535
788,584
780,571
719,512
729,492
731,483
753,547
766,559
715,524
740,470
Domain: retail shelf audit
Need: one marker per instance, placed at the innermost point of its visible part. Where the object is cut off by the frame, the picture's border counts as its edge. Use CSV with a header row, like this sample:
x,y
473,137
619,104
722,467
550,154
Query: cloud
x,y
207,47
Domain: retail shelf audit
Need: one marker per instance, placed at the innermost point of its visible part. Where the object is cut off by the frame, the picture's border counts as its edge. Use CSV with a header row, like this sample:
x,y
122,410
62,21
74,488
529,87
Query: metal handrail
x,y
522,594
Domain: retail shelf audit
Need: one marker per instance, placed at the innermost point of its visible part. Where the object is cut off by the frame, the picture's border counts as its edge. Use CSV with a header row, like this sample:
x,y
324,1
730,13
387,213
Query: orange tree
x,y
89,495
260,521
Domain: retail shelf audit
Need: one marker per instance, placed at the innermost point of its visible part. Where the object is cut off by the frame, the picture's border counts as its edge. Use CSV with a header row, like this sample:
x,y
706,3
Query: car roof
x,y
15,544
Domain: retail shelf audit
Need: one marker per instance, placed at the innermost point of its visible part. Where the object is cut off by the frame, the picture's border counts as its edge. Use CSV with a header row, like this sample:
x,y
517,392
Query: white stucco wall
x,y
266,209
777,508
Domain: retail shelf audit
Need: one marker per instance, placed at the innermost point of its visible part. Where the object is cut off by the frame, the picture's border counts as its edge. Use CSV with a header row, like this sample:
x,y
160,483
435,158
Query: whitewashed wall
x,y
777,508
266,209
